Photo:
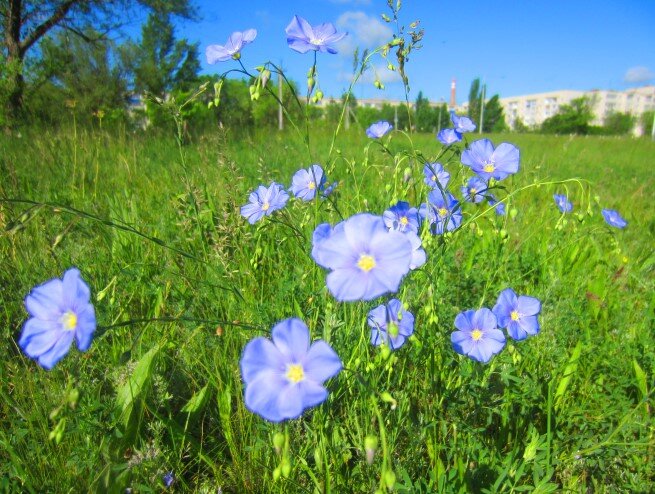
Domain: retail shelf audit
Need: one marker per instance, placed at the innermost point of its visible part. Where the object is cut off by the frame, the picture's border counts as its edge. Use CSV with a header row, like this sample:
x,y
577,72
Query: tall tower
x,y
453,100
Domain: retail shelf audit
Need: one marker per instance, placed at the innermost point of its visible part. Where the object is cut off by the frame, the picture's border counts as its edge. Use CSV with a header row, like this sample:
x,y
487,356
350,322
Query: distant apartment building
x,y
533,109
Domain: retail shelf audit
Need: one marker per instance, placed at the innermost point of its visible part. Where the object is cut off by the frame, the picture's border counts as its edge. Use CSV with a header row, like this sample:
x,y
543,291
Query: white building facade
x,y
533,109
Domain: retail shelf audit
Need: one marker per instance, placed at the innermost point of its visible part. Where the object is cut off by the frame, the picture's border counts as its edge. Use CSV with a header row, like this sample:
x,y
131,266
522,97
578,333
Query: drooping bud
x,y
370,447
278,442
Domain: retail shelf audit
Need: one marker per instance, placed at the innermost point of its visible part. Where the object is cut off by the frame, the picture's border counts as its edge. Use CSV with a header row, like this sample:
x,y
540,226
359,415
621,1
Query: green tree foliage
x,y
25,23
89,75
573,118
494,117
647,123
618,123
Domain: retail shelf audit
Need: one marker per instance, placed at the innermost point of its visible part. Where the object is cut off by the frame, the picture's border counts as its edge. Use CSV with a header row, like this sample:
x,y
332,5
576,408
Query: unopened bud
x,y
278,442
370,447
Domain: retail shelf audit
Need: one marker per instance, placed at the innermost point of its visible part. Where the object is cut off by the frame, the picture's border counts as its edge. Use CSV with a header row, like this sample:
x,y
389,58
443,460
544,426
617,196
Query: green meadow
x,y
181,282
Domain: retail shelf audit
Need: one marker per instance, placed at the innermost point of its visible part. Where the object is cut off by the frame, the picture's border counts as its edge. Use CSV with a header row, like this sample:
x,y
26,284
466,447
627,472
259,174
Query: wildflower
x,y
285,376
330,188
613,218
499,206
517,314
478,335
449,136
563,203
168,479
390,324
418,254
302,37
462,124
488,162
473,191
434,173
401,217
442,212
232,48
264,201
366,260
378,129
60,311
305,183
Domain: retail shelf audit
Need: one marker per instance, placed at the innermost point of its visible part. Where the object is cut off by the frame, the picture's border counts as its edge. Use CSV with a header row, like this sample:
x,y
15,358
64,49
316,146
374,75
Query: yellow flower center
x,y
489,167
69,320
404,221
392,329
311,186
295,373
476,334
366,263
434,178
265,206
473,191
514,315
442,212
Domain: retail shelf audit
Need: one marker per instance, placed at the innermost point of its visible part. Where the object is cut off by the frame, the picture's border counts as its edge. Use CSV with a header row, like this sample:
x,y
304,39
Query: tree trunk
x,y
14,58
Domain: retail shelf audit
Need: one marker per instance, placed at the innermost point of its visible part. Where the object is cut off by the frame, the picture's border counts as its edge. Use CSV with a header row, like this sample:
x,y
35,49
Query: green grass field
x,y
181,282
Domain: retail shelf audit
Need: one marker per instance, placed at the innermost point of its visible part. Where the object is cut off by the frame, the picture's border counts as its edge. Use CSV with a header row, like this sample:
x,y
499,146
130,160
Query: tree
x,y
26,22
475,95
494,118
161,63
424,114
647,123
573,118
617,123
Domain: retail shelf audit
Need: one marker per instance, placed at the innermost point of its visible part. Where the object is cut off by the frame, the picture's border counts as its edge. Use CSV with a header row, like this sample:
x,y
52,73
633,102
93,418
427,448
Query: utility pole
x,y
440,110
395,117
484,90
280,115
652,131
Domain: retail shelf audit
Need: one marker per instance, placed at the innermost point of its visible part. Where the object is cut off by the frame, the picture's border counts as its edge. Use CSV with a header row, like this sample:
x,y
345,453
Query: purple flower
x,y
434,173
232,48
168,479
517,314
441,212
285,376
302,37
449,136
401,217
330,188
378,129
563,203
366,260
60,311
306,182
488,162
462,124
499,206
418,254
390,324
474,190
613,218
264,201
477,335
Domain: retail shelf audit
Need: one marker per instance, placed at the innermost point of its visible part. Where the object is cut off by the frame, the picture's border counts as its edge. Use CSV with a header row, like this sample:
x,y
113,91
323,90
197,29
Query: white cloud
x,y
363,31
637,75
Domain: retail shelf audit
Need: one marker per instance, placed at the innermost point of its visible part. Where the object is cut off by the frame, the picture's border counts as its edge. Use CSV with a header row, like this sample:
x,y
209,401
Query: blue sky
x,y
516,46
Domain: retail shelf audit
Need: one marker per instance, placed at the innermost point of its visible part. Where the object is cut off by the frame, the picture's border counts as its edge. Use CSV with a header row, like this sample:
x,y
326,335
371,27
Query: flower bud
x,y
370,446
278,442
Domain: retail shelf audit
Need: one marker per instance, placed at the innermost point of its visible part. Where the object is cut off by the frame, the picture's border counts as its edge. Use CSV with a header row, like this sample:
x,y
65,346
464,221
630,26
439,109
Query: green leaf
x,y
132,389
569,371
197,401
640,377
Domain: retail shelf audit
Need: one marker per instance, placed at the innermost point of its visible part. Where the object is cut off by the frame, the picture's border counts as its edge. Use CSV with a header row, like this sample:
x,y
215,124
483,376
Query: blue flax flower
x,y
378,129
613,218
418,254
305,183
330,188
302,37
285,376
264,201
434,173
442,213
488,162
474,190
366,260
401,217
499,206
168,479
449,136
563,203
232,48
478,335
390,324
462,124
60,311
517,314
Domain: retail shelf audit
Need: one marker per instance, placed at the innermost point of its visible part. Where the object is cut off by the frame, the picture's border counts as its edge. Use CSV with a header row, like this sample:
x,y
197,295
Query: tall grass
x,y
181,282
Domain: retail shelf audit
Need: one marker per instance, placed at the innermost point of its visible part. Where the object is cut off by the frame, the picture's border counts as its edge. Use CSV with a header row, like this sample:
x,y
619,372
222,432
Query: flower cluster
x,y
612,217
479,333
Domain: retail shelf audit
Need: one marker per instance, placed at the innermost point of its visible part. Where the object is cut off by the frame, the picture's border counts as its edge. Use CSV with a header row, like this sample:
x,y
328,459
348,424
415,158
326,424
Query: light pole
x,y
484,90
